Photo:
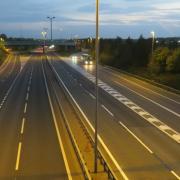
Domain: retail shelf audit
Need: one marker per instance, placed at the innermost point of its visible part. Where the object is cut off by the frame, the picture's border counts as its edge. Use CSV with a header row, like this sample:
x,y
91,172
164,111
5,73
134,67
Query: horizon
x,y
118,18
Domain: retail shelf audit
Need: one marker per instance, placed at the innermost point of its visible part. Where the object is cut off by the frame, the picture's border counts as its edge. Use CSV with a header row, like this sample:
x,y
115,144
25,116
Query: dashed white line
x,y
107,110
18,156
127,129
22,126
178,177
28,89
25,108
27,96
92,95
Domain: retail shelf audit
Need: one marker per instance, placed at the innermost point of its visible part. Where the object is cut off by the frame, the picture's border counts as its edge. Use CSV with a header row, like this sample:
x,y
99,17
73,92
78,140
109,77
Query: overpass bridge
x,y
40,43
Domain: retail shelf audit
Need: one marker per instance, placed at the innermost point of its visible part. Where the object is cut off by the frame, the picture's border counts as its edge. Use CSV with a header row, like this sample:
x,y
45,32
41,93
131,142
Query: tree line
x,y
137,53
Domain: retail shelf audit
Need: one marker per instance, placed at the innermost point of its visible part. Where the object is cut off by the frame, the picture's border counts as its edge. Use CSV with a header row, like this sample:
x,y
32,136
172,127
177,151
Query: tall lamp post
x,y
51,21
44,34
97,89
153,41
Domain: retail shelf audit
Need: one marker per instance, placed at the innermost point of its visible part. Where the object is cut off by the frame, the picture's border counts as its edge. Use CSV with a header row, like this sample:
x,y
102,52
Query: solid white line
x,y
149,89
178,177
22,126
25,108
167,109
136,137
18,156
99,137
107,110
57,129
92,95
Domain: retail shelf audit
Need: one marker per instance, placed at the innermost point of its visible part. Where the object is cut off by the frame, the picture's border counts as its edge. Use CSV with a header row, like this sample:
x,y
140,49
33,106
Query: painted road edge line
x,y
87,120
178,177
174,135
56,127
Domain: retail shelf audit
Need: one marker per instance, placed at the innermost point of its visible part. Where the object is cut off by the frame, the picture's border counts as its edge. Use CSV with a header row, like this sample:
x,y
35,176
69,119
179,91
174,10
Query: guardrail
x,y
102,158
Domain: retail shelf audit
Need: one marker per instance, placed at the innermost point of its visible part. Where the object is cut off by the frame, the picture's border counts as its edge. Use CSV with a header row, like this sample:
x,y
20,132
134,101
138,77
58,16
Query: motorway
x,y
138,122
30,146
143,149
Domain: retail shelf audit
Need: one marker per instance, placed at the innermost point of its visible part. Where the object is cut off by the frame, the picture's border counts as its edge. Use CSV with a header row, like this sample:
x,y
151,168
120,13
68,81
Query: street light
x,y
153,41
44,34
97,89
51,21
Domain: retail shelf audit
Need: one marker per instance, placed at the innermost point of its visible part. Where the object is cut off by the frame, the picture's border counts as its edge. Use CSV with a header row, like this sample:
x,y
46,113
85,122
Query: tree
x,y
173,61
158,60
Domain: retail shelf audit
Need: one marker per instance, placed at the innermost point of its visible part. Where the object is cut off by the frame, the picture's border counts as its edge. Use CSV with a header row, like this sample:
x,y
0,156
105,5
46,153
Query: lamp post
x,y
51,21
97,89
44,34
153,41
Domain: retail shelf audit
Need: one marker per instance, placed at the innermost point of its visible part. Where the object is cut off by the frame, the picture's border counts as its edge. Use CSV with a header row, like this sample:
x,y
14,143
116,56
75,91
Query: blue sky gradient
x,y
27,18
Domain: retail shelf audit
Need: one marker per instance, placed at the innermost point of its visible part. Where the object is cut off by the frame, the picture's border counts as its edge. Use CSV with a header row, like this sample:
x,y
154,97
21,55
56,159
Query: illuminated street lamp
x,y
51,21
153,41
44,34
97,89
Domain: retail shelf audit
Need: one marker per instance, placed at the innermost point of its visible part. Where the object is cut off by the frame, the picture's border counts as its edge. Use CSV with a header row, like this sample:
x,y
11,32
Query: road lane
x,y
10,116
160,105
109,128
41,156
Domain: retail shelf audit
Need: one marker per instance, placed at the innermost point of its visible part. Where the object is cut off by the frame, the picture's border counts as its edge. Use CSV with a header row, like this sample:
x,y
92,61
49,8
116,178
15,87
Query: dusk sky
x,y
27,18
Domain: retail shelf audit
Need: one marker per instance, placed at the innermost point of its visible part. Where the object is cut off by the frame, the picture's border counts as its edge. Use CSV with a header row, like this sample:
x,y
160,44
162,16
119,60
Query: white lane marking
x,y
27,96
22,126
144,145
178,177
25,108
163,107
28,89
107,110
18,156
92,95
149,89
99,137
122,99
57,129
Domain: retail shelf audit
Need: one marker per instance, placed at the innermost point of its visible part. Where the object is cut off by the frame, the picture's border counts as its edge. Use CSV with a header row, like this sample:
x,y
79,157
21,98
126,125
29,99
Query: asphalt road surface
x,y
141,149
29,147
33,141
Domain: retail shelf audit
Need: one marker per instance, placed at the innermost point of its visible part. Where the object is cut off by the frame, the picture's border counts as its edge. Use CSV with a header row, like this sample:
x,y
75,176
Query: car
x,y
86,59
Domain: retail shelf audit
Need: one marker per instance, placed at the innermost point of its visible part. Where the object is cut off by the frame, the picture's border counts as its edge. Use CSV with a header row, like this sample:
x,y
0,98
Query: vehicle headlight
x,y
86,62
91,62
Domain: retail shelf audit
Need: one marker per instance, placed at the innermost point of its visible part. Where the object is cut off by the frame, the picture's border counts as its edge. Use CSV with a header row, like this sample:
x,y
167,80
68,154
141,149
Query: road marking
x,y
163,107
149,89
25,108
18,156
22,126
28,89
27,96
57,129
170,132
178,177
107,110
127,129
99,137
92,95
